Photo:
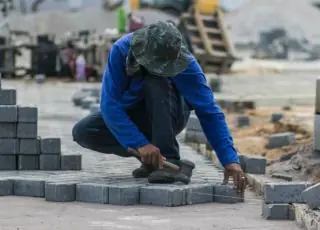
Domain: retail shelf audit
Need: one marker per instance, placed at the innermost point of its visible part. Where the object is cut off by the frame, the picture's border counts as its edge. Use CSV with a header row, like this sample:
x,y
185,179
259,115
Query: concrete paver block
x,y
195,137
164,195
27,130
8,113
50,146
275,211
242,121
8,162
60,192
8,97
199,193
27,114
28,162
194,123
8,130
71,162
311,196
29,146
9,146
122,194
6,187
285,192
94,108
276,117
49,162
255,164
226,193
280,139
88,101
30,188
93,193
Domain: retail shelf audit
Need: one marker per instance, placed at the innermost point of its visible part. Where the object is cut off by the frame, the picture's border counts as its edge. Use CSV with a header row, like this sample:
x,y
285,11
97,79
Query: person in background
x,y
80,67
135,22
68,60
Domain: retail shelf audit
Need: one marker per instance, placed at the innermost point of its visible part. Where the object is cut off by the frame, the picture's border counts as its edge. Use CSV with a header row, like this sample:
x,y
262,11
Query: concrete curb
x,y
306,218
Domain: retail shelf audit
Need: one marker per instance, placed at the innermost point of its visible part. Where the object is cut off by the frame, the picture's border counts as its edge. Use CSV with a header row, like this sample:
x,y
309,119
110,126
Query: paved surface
x,y
56,119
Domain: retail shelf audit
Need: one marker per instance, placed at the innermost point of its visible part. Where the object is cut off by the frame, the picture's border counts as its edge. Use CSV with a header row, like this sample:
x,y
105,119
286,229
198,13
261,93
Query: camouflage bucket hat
x,y
160,48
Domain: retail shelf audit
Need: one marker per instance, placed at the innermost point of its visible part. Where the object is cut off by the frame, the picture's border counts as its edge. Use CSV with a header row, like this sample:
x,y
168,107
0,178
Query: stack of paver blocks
x,y
194,133
20,146
87,98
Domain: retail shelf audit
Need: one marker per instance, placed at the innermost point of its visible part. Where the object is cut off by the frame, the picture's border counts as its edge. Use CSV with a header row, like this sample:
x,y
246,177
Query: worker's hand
x,y
235,171
151,155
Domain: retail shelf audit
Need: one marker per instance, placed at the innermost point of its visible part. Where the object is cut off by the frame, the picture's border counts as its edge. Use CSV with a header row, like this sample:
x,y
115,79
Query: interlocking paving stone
x,y
28,162
60,192
30,188
9,146
8,113
50,162
280,139
8,130
275,211
50,146
226,194
29,146
312,196
8,97
92,193
27,130
242,121
6,187
71,162
8,162
124,194
27,114
254,164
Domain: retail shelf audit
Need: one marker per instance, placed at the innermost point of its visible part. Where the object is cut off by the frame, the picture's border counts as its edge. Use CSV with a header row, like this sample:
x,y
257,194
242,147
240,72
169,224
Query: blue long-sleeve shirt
x,y
116,97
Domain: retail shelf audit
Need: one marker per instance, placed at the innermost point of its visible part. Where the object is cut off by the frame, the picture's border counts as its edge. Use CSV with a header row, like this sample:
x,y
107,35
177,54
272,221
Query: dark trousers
x,y
161,116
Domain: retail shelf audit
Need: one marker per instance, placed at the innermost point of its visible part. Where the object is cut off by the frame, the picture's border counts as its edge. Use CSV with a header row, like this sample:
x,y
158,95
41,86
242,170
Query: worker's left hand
x,y
235,171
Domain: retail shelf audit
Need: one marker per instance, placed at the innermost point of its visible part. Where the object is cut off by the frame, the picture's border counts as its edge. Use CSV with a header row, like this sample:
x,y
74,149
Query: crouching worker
x,y
150,85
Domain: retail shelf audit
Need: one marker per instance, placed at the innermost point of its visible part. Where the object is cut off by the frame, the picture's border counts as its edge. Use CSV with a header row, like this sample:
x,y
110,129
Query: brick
x,y
255,164
88,101
242,121
226,193
195,137
60,192
163,195
28,162
194,123
30,188
8,130
94,108
311,196
27,130
9,146
93,193
281,139
28,114
276,117
29,146
275,211
8,97
8,162
199,193
50,162
6,187
71,162
285,192
50,146
8,113
124,194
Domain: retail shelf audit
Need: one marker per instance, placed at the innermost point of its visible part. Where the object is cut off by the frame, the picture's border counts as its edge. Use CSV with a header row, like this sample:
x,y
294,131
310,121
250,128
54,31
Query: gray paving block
x,y
9,146
255,164
60,192
29,146
50,146
8,97
195,137
164,195
8,130
8,162
280,139
94,108
284,192
30,188
123,194
50,162
88,101
276,117
8,113
28,114
6,187
93,193
194,123
199,193
71,162
226,193
242,121
275,211
28,162
311,196
27,130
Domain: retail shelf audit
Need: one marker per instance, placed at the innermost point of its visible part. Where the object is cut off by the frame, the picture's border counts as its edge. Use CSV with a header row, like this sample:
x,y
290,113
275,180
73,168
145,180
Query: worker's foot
x,y
143,172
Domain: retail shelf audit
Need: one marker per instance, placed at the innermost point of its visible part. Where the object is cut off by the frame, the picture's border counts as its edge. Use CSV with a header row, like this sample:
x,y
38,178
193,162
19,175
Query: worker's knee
x,y
79,131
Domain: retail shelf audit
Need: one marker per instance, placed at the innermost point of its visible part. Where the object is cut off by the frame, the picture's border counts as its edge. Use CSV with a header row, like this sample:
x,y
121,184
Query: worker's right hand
x,y
151,155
